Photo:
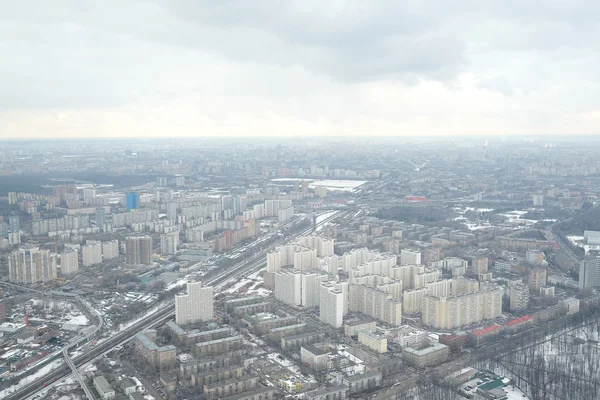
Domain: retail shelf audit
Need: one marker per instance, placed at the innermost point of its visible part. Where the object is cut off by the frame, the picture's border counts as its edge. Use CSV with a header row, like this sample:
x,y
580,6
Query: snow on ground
x,y
151,311
30,378
513,393
177,283
77,320
239,284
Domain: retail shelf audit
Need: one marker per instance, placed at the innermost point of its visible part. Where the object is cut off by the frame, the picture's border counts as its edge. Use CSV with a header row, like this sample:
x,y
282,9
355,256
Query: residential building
x,y
519,297
69,261
314,357
463,309
103,388
91,253
363,382
195,305
169,243
31,265
138,250
374,341
426,357
589,272
537,278
332,299
110,249
352,328
408,257
161,356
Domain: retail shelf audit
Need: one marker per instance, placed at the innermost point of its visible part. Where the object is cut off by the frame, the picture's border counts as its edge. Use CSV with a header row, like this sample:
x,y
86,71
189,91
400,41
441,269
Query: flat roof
x,y
314,350
520,320
421,352
486,331
359,322
102,384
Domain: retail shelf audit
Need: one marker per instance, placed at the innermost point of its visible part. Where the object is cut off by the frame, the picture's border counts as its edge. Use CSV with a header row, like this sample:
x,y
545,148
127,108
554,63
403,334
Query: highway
x,y
245,268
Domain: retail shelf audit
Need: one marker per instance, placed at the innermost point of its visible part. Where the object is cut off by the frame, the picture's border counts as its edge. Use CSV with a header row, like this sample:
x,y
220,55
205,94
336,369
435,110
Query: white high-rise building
x,y
169,243
69,261
311,281
288,287
461,310
589,272
519,297
89,194
32,265
91,253
196,305
110,249
331,304
408,257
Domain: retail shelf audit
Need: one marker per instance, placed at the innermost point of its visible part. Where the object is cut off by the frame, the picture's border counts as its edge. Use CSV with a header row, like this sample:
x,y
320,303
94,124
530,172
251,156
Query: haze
x,y
280,68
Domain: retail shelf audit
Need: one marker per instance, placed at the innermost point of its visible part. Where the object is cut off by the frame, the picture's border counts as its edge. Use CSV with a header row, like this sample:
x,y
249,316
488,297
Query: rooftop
x,y
314,350
427,350
486,331
520,320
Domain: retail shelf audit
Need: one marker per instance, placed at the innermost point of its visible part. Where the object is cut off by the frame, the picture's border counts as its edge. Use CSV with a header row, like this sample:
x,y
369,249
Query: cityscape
x,y
246,269
299,200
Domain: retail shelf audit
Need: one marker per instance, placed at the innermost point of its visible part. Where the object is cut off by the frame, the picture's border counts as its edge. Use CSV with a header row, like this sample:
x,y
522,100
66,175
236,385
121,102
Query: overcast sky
x,y
307,67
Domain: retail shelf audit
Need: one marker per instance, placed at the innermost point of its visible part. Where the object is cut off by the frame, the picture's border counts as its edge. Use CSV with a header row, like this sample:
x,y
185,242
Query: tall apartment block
x,y
32,265
69,261
138,250
196,305
169,243
331,304
408,257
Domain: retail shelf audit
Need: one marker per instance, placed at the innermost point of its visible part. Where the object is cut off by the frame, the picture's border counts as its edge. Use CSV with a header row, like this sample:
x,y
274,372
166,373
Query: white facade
x,y
408,257
194,306
311,282
33,265
69,262
110,249
91,253
331,304
288,287
169,243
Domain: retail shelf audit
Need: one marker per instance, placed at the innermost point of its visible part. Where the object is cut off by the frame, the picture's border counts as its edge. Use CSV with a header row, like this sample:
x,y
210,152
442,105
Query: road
x,y
218,282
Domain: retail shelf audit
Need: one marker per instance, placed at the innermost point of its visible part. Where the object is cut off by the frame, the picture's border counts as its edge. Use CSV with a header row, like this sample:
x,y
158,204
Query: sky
x,y
170,68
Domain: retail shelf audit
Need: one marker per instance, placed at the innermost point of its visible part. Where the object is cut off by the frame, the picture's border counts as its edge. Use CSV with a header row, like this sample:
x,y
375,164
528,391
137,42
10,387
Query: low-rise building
x,y
363,382
160,356
314,357
339,392
374,341
480,337
426,357
219,345
352,328
103,388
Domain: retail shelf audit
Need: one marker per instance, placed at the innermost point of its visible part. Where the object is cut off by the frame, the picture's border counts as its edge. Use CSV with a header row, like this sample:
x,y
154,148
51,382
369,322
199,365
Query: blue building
x,y
133,201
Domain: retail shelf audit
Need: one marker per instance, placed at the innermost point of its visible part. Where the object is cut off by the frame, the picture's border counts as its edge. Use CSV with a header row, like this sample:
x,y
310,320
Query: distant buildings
x,y
196,305
169,243
519,297
32,265
589,272
69,261
408,257
425,357
91,253
138,250
374,341
462,309
132,201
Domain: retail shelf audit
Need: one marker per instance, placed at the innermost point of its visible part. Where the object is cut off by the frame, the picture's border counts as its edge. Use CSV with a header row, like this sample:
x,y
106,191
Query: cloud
x,y
326,66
